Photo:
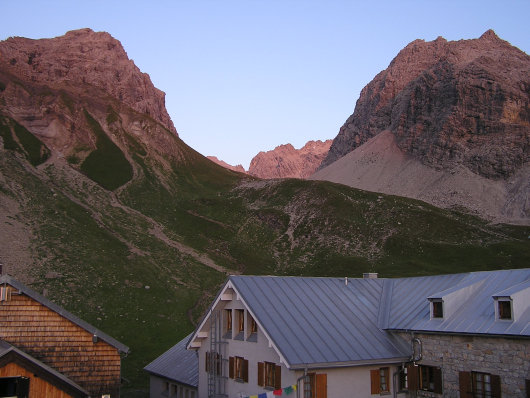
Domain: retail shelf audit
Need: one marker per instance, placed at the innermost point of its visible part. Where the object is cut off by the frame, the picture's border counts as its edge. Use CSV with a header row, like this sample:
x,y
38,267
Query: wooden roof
x,y
61,311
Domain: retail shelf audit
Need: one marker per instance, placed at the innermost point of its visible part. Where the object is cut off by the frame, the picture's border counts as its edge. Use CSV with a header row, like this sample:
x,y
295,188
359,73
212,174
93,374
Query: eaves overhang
x,y
347,364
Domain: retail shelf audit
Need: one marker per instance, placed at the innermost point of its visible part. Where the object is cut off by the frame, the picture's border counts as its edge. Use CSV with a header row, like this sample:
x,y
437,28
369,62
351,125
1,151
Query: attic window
x,y
505,309
228,320
437,309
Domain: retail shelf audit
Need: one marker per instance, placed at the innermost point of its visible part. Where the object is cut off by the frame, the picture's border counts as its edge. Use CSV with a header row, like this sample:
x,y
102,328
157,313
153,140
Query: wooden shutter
x,y
466,388
322,385
261,374
496,386
375,381
277,377
245,370
412,377
527,388
231,367
438,381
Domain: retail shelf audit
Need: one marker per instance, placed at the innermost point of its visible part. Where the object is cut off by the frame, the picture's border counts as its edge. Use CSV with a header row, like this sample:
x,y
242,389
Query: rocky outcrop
x,y
449,104
85,57
287,162
239,168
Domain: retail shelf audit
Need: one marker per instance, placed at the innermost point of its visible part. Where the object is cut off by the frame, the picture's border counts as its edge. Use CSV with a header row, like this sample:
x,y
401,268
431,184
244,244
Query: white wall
x,y
164,388
352,382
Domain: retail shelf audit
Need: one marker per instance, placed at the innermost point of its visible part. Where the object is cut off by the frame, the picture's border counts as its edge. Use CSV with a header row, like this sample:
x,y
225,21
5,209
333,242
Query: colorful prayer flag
x,y
277,392
288,390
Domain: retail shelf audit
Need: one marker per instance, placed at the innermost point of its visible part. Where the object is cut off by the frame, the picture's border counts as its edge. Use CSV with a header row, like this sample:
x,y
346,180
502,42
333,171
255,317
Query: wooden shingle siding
x,y
60,344
38,388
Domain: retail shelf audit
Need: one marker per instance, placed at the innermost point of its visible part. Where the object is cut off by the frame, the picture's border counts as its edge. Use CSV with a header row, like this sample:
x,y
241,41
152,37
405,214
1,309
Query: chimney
x,y
370,275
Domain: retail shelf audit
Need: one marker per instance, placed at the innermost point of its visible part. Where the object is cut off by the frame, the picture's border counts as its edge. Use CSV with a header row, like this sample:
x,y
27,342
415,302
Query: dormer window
x,y
504,309
437,309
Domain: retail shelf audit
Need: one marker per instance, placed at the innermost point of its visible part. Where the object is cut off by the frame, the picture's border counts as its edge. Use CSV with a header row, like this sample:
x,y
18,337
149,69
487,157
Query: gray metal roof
x,y
61,311
6,348
321,321
409,308
177,364
324,322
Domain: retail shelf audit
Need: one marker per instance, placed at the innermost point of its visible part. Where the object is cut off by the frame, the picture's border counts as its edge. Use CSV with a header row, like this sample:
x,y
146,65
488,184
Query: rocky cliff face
x,y
448,104
238,168
85,57
287,162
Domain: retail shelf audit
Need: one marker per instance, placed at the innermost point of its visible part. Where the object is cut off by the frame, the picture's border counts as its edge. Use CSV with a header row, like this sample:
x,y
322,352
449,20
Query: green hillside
x,y
141,262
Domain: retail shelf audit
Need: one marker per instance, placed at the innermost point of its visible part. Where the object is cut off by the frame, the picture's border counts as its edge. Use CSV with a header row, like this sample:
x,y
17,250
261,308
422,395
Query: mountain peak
x,y
85,57
489,35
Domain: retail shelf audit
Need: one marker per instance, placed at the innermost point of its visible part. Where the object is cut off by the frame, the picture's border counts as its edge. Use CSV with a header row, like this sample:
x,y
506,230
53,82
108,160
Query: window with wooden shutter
x,y
207,362
269,375
430,379
379,380
527,388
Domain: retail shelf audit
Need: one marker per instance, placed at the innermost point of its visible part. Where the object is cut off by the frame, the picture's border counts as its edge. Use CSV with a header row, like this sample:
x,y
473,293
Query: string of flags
x,y
276,393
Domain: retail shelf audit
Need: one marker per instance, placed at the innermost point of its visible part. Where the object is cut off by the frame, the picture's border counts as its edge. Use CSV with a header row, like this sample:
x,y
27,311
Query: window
x,y
479,385
252,329
238,369
505,309
403,382
316,385
213,363
240,321
437,309
14,387
379,380
228,321
430,378
269,375
253,326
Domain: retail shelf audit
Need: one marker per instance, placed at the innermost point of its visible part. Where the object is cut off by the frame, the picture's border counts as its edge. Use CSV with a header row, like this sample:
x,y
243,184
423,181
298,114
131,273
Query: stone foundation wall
x,y
509,358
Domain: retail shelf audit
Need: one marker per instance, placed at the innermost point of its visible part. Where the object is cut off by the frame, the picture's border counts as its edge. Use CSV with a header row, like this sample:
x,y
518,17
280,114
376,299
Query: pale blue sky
x,y
245,76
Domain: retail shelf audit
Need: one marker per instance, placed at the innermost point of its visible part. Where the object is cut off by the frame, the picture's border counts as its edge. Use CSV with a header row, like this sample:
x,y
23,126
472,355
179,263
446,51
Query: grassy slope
x,y
141,297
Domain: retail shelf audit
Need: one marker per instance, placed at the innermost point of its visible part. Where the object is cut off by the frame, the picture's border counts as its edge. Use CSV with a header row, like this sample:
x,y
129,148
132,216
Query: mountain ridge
x,y
458,108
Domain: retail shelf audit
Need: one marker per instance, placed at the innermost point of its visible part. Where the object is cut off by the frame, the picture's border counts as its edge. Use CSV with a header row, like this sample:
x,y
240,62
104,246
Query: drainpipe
x,y
298,389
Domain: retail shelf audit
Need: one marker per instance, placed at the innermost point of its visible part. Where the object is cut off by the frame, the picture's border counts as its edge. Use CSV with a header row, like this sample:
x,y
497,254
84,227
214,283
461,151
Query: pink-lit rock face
x,y
85,57
237,168
287,162
448,104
